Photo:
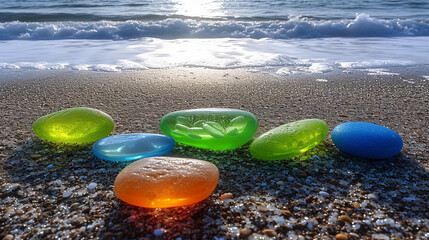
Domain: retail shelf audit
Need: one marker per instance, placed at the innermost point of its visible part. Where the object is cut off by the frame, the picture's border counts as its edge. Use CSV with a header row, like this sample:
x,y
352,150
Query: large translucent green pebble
x,y
210,128
289,140
74,125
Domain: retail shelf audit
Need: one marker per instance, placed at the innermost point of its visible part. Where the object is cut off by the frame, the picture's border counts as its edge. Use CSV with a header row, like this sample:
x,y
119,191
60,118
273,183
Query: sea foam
x,y
298,27
281,56
377,63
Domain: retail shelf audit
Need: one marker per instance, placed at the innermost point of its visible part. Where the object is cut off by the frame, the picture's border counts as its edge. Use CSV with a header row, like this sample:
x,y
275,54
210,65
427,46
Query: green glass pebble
x,y
210,128
289,140
74,125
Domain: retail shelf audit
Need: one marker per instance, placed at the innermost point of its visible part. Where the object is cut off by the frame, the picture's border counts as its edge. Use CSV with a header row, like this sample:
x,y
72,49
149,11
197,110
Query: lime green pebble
x,y
74,125
289,140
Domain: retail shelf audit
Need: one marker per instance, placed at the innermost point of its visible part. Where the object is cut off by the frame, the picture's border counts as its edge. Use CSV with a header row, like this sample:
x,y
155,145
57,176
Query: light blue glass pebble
x,y
128,147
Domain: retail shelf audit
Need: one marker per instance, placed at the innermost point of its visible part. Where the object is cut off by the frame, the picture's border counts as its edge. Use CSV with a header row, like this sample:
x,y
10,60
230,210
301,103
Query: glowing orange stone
x,y
161,182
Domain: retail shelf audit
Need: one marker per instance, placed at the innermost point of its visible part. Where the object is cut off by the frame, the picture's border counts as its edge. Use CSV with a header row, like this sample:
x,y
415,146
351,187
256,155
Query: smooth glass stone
x,y
128,147
367,140
74,125
289,140
162,182
210,128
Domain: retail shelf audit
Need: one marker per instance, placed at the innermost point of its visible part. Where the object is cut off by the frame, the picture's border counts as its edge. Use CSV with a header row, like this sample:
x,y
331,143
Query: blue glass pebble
x,y
127,147
367,140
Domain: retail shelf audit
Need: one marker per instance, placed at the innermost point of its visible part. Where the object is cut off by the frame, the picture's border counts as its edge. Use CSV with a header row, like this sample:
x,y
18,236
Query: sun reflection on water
x,y
199,8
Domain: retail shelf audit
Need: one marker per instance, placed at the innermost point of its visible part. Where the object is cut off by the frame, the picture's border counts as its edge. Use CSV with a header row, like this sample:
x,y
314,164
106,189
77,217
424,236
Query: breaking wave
x,y
174,28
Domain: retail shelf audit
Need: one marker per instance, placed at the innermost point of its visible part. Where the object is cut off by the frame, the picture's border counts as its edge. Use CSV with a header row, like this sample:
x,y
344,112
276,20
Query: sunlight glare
x,y
199,8
214,53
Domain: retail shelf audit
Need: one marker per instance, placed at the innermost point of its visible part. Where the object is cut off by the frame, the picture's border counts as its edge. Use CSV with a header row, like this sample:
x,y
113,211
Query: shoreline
x,y
270,199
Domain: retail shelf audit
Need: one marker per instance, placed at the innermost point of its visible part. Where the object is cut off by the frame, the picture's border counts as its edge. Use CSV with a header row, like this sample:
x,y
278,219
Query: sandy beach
x,y
44,187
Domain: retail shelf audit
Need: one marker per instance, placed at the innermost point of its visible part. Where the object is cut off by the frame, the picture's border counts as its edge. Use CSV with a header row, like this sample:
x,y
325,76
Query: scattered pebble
x,y
300,173
8,237
245,232
345,218
269,232
74,206
37,156
67,194
226,196
263,208
372,197
323,194
355,235
286,213
341,236
379,236
92,186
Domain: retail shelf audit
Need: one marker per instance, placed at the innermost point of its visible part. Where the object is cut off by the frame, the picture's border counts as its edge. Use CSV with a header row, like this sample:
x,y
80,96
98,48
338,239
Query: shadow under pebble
x,y
65,191
311,194
66,187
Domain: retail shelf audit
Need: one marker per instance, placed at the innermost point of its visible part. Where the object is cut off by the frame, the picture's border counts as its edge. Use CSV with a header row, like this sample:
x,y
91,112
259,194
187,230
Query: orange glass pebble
x,y
161,182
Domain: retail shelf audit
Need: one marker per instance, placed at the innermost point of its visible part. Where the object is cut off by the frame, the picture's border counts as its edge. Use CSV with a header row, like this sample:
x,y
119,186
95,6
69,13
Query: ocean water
x,y
282,36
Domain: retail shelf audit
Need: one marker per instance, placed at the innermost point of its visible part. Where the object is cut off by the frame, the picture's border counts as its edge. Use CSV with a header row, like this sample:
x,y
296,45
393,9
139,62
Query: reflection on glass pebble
x,y
210,128
126,147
